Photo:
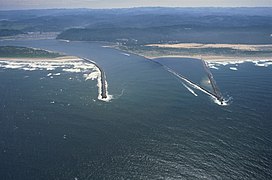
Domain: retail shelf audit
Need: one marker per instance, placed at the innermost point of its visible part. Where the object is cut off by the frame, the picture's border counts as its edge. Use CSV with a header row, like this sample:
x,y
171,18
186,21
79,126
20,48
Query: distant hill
x,y
172,34
147,25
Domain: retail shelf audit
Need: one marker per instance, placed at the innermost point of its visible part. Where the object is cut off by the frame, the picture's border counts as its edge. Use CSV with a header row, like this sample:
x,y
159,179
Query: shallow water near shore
x,y
154,127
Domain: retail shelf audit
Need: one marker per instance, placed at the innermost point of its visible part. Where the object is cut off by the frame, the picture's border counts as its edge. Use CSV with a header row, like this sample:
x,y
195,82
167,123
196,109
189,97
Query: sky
x,y
45,4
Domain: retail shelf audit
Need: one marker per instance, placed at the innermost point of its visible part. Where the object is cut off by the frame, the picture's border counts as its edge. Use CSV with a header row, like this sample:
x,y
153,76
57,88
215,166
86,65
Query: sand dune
x,y
245,47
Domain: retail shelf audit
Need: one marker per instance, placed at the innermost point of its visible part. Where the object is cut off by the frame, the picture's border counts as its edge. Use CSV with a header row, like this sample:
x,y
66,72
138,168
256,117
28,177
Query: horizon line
x,y
112,8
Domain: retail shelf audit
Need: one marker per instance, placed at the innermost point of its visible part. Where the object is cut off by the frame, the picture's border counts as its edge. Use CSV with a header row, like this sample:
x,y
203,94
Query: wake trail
x,y
216,96
189,82
189,89
119,95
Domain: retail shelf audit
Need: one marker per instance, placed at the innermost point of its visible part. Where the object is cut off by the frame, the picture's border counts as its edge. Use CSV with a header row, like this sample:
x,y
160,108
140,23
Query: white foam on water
x,y
67,66
261,63
83,66
30,69
224,63
72,70
126,54
64,40
189,89
120,95
193,85
190,83
97,75
233,68
225,102
213,67
91,76
12,66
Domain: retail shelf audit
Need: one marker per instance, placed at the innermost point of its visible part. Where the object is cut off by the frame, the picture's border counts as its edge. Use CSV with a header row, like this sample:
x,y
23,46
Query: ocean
x,y
53,126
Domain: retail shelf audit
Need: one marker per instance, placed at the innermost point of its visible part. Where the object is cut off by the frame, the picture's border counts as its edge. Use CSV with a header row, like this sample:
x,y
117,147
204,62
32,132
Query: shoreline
x,y
246,47
57,59
214,58
208,58
90,69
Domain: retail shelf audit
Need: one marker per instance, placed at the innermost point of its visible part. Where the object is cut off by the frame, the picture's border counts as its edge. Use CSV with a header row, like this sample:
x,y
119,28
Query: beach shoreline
x,y
245,47
214,58
57,59
263,52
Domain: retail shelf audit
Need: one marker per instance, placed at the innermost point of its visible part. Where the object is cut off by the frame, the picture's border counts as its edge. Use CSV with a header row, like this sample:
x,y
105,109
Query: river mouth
x,y
154,126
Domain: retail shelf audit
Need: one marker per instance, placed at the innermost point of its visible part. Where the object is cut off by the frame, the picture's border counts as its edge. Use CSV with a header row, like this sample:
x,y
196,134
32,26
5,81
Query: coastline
x,y
215,58
57,59
245,47
72,64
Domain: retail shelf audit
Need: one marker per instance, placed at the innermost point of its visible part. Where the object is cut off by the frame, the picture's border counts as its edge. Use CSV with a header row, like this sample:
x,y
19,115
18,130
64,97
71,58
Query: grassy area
x,y
25,52
161,51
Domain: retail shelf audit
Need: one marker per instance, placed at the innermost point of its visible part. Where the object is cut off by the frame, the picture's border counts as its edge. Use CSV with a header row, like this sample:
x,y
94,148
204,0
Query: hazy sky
x,y
38,4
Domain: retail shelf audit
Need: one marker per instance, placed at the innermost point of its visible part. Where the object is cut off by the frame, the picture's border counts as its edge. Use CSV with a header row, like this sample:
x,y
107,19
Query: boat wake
x,y
117,96
224,102
189,89
219,101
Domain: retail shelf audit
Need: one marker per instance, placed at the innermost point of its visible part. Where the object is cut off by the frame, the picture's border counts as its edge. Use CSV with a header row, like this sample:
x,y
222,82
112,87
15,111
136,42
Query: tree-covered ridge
x,y
25,52
148,25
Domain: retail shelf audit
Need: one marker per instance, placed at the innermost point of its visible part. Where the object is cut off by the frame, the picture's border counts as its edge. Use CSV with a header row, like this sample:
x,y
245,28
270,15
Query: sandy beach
x,y
245,47
58,59
215,58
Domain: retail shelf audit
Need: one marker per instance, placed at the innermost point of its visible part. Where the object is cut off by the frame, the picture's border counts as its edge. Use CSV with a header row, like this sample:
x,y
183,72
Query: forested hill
x,y
26,52
156,25
141,25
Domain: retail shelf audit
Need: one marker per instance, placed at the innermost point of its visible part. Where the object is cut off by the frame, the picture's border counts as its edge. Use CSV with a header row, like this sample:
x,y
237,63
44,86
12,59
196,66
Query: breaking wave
x,y
233,68
261,63
225,102
91,72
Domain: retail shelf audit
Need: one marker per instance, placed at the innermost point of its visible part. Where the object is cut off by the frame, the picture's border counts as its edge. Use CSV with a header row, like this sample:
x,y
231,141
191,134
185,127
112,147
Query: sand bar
x,y
57,59
245,47
215,58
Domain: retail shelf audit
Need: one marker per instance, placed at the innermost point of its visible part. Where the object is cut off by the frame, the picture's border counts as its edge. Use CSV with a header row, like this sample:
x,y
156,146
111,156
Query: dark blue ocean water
x,y
153,129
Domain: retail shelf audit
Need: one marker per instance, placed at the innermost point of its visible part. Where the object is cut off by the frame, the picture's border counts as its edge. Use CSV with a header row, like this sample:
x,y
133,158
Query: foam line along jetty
x,y
103,78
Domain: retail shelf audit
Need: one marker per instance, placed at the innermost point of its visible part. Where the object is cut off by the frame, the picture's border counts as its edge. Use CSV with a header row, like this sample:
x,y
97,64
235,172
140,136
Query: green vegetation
x,y
133,28
25,52
122,35
147,25
161,51
9,32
